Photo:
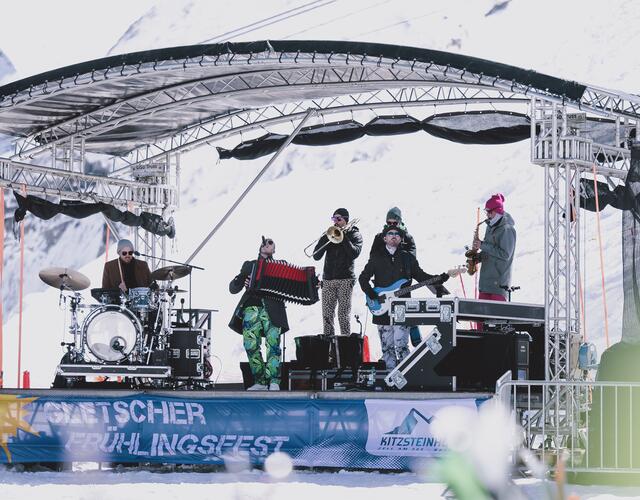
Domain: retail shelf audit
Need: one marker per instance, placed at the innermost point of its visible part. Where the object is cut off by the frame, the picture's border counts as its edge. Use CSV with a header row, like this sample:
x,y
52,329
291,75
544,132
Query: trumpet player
x,y
496,251
338,277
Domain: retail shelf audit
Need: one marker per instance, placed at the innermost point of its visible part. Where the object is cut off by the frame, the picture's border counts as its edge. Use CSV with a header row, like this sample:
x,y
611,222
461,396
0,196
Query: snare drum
x,y
140,299
107,296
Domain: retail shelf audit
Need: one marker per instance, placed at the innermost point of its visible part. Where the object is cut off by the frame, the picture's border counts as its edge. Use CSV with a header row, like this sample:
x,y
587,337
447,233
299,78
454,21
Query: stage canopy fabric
x,y
44,209
492,127
120,103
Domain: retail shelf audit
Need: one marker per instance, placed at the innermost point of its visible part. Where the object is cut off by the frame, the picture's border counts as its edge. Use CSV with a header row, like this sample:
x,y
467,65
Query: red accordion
x,y
280,280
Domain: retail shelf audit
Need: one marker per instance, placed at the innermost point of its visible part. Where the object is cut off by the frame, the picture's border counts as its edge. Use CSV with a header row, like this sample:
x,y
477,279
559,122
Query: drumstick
x,y
121,276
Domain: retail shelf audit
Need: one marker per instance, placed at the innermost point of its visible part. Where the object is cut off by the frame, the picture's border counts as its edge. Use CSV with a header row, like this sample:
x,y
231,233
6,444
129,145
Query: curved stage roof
x,y
120,103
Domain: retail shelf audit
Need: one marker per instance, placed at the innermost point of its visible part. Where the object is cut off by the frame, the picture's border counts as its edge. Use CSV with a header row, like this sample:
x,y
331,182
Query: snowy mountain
x,y
437,184
6,67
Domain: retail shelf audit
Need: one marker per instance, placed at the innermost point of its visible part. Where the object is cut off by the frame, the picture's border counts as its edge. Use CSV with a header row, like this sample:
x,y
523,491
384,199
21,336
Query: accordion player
x,y
280,280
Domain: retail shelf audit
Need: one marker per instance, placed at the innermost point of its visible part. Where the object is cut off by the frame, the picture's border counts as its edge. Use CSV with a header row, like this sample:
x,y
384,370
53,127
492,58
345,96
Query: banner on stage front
x,y
403,427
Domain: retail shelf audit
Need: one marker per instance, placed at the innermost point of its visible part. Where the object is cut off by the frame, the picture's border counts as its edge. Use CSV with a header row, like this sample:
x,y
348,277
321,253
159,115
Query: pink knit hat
x,y
495,203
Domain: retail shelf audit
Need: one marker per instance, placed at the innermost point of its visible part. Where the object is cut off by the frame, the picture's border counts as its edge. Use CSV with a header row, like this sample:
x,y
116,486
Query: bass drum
x,y
112,333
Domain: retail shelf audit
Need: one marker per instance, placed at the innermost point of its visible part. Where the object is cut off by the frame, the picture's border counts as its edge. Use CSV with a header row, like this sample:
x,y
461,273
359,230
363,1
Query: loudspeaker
x,y
312,351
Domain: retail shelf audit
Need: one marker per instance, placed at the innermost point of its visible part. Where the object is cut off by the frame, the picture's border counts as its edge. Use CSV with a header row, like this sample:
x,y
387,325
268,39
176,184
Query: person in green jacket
x,y
496,251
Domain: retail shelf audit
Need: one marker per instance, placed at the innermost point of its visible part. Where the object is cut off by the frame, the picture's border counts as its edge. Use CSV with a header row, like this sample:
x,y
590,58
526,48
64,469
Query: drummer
x,y
126,272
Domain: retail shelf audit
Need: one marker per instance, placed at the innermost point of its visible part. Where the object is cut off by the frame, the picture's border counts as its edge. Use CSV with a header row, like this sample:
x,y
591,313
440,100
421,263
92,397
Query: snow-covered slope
x,y
437,184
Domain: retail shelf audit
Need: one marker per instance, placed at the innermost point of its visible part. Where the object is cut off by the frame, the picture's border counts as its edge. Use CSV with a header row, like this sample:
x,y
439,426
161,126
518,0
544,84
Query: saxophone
x,y
473,256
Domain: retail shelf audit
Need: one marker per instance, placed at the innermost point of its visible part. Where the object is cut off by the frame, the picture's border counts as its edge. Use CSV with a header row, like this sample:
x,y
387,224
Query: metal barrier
x,y
590,425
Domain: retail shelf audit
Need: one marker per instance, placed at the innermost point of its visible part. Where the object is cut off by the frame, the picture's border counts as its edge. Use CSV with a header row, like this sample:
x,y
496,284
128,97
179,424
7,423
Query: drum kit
x,y
138,337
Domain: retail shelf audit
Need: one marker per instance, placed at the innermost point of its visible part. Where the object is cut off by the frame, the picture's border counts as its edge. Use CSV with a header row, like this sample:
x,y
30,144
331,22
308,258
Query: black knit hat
x,y
343,212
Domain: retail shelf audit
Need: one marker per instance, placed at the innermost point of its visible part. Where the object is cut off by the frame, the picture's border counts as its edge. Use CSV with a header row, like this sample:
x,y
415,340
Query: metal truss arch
x,y
223,127
166,83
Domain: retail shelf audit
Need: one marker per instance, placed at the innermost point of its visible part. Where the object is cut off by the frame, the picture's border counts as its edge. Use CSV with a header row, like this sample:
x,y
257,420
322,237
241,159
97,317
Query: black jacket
x,y
275,308
386,269
338,263
408,244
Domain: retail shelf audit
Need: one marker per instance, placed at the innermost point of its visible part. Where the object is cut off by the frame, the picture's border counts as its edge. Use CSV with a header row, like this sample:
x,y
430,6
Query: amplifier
x,y
189,352
321,352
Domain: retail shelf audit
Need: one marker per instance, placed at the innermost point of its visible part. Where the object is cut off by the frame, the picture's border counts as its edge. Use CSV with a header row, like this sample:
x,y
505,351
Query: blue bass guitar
x,y
397,290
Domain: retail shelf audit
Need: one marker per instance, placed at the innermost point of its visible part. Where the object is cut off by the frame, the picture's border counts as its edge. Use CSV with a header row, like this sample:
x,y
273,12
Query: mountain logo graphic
x,y
409,423
409,436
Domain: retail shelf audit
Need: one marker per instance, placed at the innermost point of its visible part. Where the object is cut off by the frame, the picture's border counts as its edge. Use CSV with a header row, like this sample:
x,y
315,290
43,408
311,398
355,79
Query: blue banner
x,y
358,433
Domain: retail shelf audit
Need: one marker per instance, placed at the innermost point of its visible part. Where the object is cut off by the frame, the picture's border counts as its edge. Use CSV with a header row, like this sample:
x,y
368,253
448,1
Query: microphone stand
x,y
190,266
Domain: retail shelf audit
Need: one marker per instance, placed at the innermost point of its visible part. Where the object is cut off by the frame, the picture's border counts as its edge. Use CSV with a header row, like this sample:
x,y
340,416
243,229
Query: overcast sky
x,y
44,34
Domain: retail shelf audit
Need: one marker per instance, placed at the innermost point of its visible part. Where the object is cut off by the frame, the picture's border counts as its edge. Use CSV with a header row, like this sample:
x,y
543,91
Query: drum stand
x,y
76,348
163,320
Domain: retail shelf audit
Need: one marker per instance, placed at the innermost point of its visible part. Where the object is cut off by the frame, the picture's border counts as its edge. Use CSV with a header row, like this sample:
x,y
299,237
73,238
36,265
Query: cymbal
x,y
170,273
62,277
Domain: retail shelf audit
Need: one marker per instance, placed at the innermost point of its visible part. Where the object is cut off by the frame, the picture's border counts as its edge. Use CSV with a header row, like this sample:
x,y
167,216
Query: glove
x,y
444,277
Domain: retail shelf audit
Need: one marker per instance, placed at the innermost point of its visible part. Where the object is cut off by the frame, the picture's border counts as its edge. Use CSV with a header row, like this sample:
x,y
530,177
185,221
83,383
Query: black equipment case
x,y
509,336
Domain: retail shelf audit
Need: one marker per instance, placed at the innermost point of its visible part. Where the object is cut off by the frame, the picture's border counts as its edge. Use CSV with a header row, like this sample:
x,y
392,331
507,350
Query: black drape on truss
x,y
44,209
475,127
631,251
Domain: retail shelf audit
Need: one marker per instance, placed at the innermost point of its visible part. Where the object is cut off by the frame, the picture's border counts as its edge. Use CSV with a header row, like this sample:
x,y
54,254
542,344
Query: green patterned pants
x,y
255,323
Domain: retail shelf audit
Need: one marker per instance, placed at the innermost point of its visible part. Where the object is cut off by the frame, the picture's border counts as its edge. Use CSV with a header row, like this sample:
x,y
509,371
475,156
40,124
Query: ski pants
x,y
255,324
395,344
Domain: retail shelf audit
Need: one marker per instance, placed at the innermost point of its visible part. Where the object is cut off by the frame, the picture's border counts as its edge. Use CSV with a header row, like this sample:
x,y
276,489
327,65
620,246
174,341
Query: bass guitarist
x,y
387,267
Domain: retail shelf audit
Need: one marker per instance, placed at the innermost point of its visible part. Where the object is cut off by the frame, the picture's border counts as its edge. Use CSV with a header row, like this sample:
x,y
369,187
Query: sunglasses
x,y
392,223
337,218
267,242
126,253
393,233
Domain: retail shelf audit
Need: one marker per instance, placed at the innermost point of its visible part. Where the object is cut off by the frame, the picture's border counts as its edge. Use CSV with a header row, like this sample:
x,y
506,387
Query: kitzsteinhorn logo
x,y
13,417
410,435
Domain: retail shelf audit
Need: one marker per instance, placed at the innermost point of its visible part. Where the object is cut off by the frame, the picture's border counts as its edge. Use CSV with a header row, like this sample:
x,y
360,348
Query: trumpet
x,y
334,234
472,255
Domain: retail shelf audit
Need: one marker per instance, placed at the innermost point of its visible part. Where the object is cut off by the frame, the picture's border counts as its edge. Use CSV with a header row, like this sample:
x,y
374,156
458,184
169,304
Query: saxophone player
x,y
338,277
496,251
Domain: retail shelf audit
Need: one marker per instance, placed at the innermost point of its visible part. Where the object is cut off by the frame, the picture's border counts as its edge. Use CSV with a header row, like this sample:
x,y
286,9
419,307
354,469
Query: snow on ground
x,y
258,485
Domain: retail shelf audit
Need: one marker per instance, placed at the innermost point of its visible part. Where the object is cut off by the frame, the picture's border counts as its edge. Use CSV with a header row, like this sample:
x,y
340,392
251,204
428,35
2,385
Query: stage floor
x,y
225,392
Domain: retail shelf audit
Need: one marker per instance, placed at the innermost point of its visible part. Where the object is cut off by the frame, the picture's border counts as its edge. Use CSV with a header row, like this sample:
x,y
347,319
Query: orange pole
x,y
464,292
24,190
604,292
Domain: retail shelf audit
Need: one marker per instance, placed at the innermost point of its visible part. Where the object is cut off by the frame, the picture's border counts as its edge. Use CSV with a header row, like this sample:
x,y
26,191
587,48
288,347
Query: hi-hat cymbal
x,y
62,277
170,273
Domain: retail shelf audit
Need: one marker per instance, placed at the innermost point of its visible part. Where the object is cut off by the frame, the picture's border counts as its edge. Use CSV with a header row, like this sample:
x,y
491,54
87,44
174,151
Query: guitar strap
x,y
406,266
